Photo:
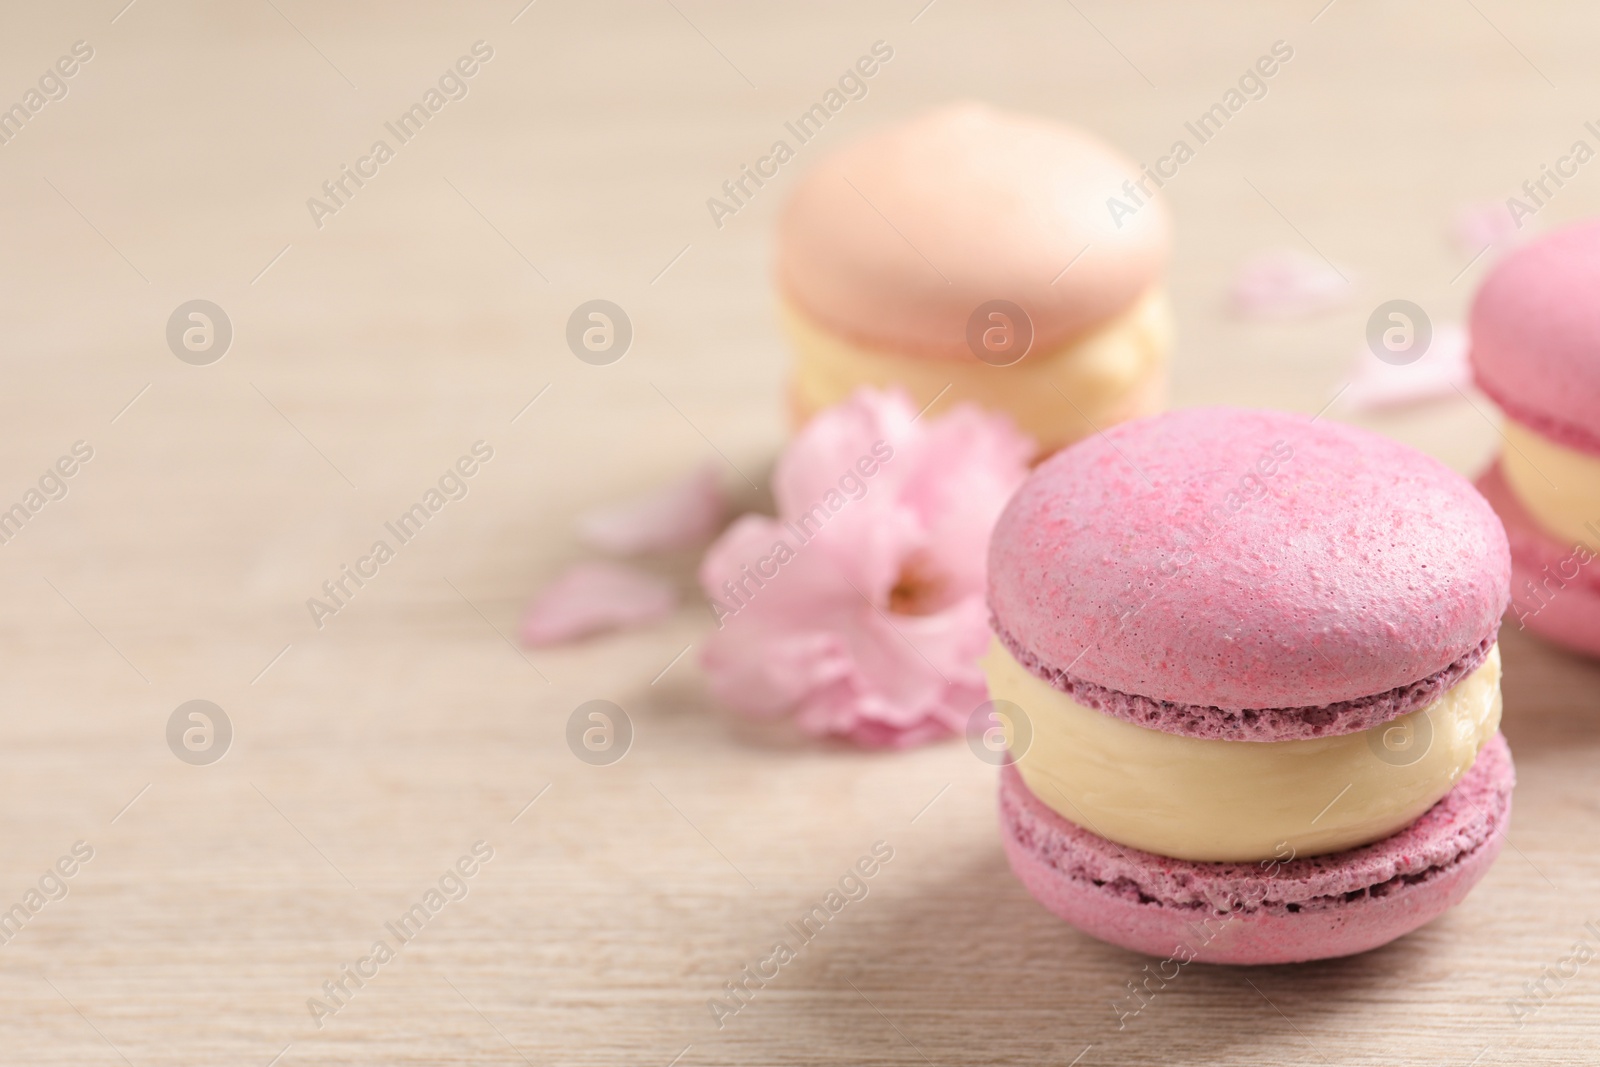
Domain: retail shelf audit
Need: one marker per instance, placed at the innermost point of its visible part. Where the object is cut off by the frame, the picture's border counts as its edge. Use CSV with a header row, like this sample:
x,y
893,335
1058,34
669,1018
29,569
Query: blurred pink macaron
x,y
1536,353
1247,667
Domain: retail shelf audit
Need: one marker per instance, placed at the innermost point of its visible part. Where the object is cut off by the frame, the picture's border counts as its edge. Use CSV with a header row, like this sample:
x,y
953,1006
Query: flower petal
x,y
783,608
853,438
1287,283
1478,225
1438,375
837,482
761,565
968,466
588,598
914,679
681,515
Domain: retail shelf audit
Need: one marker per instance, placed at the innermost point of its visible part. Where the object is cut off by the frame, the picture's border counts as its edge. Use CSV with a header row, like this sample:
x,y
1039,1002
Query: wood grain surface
x,y
371,351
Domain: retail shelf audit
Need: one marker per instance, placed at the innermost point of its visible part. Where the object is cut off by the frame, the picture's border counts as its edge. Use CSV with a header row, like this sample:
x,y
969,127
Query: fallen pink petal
x,y
684,514
1287,283
859,609
591,598
1478,225
1439,375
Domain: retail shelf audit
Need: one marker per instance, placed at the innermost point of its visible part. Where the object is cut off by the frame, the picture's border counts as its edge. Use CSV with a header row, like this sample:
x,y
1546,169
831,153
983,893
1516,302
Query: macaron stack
x,y
1536,352
968,255
1249,671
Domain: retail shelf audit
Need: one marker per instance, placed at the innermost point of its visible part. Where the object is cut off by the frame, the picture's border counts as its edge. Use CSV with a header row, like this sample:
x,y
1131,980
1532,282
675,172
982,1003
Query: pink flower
x,y
860,607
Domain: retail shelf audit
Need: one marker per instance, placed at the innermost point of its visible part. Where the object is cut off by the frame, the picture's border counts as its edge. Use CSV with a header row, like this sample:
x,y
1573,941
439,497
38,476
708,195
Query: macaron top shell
x,y
896,240
1242,559
1535,330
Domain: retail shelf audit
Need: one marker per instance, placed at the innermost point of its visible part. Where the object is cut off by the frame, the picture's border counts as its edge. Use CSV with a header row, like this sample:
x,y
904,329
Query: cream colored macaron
x,y
972,255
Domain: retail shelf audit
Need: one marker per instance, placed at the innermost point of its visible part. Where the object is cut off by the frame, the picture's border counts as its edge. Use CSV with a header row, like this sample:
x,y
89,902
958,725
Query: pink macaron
x,y
894,240
1536,353
1230,587
1535,328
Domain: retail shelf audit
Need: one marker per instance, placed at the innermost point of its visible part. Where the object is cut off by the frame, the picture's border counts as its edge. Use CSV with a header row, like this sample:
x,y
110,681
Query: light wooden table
x,y
370,353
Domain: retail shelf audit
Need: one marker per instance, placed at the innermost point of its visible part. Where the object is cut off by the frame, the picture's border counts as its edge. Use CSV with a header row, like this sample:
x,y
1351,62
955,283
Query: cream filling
x,y
1558,485
1114,373
1198,799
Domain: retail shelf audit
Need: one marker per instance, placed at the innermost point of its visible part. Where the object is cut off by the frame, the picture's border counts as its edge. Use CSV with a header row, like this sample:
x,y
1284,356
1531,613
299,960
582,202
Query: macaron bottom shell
x,y
1571,620
1301,909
